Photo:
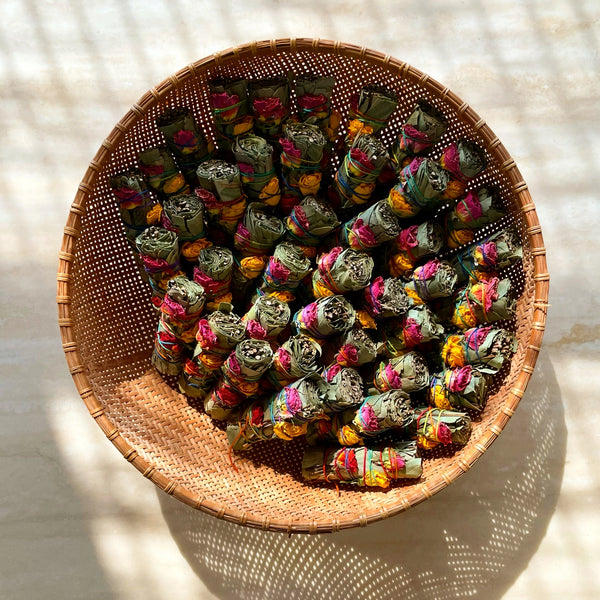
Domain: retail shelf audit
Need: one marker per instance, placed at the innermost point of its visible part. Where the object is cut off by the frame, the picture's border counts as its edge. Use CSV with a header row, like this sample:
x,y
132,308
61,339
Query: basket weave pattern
x,y
107,322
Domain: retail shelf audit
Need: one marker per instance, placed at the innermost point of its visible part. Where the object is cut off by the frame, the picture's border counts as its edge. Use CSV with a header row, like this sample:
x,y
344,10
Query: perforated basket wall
x,y
107,322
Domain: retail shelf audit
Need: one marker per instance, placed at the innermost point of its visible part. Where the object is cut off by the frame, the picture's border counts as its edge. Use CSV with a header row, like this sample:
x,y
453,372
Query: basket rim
x,y
72,231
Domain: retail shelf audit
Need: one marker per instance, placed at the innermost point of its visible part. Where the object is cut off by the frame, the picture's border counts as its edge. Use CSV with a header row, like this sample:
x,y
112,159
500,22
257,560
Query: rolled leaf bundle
x,y
159,251
135,201
421,187
258,231
254,156
325,318
473,211
435,279
185,140
370,110
286,268
182,306
354,181
496,251
241,373
462,387
301,156
418,326
386,298
270,106
245,272
371,228
464,160
184,214
226,202
161,172
313,96
216,336
266,318
408,372
414,243
372,467
340,271
169,351
311,221
297,357
485,301
356,348
377,414
345,389
423,129
231,110
213,273
485,347
435,426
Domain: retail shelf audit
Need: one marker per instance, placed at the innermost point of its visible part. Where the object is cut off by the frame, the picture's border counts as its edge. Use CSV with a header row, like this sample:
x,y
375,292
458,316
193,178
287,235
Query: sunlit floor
x,y
77,521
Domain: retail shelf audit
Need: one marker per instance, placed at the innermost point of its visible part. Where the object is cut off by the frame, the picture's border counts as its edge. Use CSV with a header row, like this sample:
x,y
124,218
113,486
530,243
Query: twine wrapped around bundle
x,y
370,110
221,191
254,156
310,222
484,301
135,201
422,130
412,245
325,318
267,318
345,389
185,140
297,357
269,102
464,160
386,298
458,388
408,372
179,314
161,172
231,110
340,271
313,96
434,426
258,232
159,251
372,467
370,228
476,209
418,326
435,279
355,348
213,271
286,268
486,347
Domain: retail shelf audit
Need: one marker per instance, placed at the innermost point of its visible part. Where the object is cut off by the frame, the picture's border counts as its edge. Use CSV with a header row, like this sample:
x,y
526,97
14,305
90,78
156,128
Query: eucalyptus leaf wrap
x,y
313,96
370,228
356,347
325,317
497,251
413,244
435,279
254,156
185,140
310,221
386,298
434,426
341,270
354,182
377,414
161,172
422,130
266,318
286,268
418,326
408,372
269,101
345,390
135,201
473,211
362,466
258,232
297,357
213,272
231,110
486,347
458,388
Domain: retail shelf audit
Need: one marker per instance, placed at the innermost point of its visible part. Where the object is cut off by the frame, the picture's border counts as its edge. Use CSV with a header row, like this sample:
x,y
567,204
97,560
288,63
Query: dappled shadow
x,y
473,539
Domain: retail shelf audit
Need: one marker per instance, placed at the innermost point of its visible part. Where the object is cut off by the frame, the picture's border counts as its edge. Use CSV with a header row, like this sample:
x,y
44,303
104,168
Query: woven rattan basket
x,y
107,322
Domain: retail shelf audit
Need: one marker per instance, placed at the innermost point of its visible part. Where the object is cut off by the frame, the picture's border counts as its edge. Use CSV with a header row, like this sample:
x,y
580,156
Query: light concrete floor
x,y
77,521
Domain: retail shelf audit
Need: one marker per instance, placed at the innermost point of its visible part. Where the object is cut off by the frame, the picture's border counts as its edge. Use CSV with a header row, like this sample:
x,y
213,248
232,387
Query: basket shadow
x,y
474,538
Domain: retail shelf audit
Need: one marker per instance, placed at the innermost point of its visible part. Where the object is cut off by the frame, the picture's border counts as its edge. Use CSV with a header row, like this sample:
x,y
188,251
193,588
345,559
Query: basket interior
x,y
114,321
